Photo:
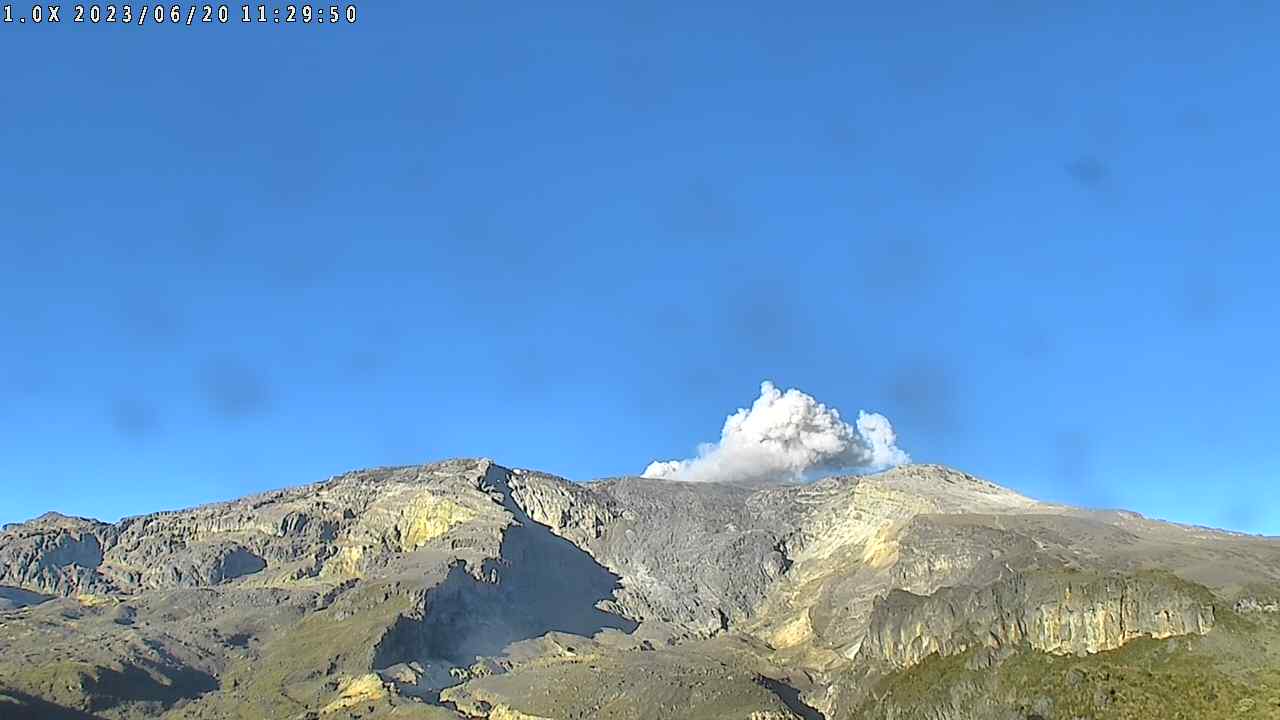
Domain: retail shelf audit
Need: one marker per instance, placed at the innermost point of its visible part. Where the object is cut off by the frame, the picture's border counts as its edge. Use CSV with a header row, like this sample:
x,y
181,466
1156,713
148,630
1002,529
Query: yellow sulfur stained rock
x,y
795,632
346,563
427,517
357,690
506,712
881,550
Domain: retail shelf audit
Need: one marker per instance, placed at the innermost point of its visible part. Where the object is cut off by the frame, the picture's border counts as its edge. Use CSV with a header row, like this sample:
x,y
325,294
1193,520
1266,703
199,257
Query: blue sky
x,y
574,237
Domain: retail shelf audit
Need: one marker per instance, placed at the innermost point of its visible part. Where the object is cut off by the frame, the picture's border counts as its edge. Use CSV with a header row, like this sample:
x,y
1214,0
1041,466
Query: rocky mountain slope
x,y
467,590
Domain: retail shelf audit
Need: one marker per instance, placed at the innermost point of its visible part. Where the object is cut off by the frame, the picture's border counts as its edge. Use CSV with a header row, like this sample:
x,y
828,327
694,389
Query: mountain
x,y
464,589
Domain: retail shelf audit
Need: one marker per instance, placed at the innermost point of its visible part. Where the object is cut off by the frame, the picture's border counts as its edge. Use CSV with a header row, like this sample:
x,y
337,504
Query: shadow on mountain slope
x,y
542,583
12,598
104,688
166,684
29,707
791,698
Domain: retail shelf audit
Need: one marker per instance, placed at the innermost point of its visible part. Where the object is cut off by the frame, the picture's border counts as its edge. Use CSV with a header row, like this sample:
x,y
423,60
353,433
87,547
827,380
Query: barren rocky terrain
x,y
464,589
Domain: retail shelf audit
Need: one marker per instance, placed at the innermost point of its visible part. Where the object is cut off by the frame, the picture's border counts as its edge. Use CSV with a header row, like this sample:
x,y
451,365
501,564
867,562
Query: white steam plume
x,y
786,436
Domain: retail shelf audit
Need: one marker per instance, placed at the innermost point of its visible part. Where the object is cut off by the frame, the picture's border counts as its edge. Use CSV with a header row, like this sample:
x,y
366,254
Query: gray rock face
x,y
1254,605
55,554
693,557
204,565
1060,613
335,529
